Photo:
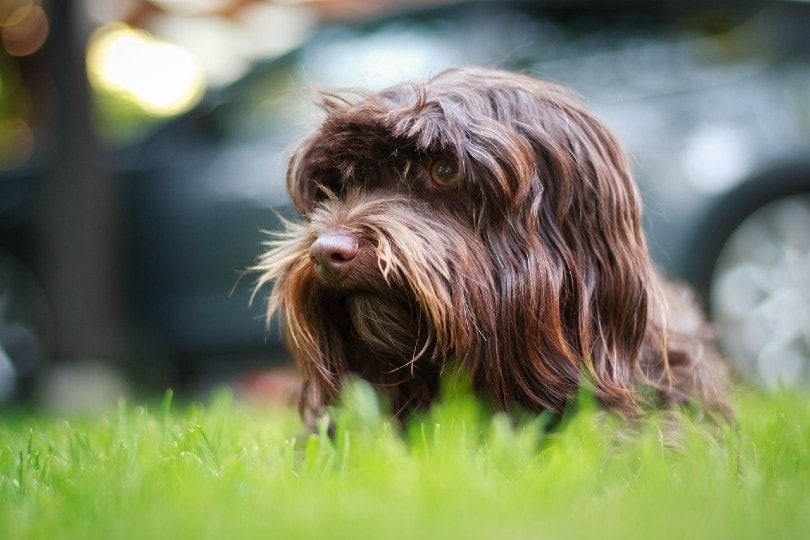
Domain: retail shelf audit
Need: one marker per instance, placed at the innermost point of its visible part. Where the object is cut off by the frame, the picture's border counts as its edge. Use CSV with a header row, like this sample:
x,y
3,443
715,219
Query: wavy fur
x,y
530,274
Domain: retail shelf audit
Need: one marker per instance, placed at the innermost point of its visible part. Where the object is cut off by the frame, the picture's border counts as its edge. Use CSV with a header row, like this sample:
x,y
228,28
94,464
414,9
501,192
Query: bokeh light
x,y
162,78
16,143
24,25
192,6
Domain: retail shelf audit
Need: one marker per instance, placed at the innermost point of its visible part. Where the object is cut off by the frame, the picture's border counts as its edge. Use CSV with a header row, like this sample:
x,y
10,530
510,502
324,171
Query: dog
x,y
486,223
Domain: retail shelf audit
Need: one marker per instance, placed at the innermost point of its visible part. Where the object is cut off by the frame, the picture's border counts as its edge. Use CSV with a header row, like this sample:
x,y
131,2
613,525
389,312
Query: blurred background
x,y
143,146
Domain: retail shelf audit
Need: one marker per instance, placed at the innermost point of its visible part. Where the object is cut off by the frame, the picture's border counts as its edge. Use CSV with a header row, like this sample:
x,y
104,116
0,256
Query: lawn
x,y
225,469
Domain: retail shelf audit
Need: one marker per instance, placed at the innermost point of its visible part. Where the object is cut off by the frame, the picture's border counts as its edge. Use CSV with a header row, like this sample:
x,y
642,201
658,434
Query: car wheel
x,y
25,328
760,293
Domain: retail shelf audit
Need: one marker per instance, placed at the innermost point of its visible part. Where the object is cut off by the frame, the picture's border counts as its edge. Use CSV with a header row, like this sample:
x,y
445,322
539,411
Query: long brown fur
x,y
530,273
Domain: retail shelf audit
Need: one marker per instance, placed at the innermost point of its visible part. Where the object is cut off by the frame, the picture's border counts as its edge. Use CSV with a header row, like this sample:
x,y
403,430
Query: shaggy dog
x,y
484,222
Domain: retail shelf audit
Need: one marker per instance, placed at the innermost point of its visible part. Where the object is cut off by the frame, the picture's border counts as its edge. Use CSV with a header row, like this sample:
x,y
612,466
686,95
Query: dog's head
x,y
481,221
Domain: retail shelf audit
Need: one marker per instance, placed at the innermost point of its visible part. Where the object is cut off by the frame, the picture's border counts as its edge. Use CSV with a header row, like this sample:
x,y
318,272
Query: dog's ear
x,y
562,215
314,169
305,165
591,216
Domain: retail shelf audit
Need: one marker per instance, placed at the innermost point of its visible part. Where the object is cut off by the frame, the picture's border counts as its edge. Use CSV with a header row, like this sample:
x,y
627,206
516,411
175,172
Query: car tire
x,y
755,277
26,329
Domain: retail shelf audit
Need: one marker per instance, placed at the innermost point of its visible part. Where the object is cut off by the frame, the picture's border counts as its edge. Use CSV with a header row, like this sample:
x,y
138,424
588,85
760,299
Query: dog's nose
x,y
334,254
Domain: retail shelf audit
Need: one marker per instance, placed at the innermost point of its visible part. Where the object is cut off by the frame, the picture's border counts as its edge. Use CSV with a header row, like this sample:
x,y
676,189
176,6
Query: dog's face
x,y
481,221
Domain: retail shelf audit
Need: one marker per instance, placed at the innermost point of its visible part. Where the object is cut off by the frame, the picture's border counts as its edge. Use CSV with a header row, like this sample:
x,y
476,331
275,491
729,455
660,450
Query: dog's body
x,y
479,221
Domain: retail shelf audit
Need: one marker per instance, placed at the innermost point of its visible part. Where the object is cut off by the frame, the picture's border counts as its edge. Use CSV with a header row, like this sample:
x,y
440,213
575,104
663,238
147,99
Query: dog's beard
x,y
417,301
387,329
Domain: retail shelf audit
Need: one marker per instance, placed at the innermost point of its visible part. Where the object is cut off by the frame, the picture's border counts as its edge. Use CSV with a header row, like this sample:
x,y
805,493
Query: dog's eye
x,y
444,172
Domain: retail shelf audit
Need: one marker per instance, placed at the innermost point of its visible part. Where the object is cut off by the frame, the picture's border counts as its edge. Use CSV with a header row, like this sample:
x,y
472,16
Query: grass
x,y
229,470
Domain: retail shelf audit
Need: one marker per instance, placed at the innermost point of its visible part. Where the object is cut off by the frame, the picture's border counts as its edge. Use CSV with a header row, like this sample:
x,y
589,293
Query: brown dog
x,y
479,221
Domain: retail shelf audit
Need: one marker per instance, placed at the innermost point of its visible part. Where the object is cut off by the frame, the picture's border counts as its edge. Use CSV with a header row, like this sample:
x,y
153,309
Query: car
x,y
712,101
